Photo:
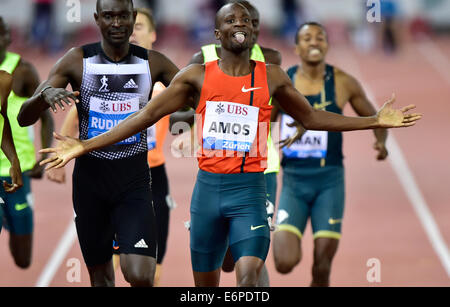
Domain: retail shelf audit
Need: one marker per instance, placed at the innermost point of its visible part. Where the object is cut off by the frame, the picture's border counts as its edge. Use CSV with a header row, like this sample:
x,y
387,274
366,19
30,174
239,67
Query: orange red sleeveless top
x,y
234,121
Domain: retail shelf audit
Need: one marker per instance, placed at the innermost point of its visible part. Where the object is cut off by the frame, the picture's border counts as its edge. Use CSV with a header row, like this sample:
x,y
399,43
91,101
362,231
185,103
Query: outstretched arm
x,y
296,105
186,115
174,97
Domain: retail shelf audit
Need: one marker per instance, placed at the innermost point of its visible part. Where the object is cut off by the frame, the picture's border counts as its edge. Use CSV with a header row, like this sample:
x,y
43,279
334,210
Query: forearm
x,y
329,121
380,135
47,128
135,123
31,109
70,124
7,145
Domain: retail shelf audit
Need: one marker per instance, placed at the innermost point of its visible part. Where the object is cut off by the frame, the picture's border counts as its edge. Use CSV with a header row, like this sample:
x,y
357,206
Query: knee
x,y
248,279
321,269
286,264
138,278
23,262
287,251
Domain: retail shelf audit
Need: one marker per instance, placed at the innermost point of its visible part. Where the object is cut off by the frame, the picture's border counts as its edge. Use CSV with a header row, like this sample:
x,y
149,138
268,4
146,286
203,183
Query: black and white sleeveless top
x,y
110,92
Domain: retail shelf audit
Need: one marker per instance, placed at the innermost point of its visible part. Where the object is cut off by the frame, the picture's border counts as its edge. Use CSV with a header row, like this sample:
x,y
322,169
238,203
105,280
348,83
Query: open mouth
x,y
315,51
240,36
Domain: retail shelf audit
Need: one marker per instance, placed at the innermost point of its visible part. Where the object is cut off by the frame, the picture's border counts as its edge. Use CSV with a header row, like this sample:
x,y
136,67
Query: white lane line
x,y
406,178
58,256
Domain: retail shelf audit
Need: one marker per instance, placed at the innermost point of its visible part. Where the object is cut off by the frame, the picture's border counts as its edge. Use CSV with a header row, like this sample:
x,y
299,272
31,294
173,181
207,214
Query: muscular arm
x,y
362,106
185,84
296,105
7,144
185,115
28,79
61,74
162,69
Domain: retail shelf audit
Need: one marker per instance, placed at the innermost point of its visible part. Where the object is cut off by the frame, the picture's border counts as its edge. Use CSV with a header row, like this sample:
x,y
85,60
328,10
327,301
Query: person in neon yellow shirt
x,y
19,206
7,144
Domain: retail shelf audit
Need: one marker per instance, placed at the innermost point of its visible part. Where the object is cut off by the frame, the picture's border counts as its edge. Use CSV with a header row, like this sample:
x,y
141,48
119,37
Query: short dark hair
x,y
149,14
245,3
240,2
308,23
98,4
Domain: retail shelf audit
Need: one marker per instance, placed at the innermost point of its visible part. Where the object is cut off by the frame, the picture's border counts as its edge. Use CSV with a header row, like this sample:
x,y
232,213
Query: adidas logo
x,y
141,244
131,84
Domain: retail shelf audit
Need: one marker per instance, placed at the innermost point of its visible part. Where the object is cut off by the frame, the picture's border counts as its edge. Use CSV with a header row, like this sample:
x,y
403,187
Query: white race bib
x,y
151,137
313,144
105,115
229,126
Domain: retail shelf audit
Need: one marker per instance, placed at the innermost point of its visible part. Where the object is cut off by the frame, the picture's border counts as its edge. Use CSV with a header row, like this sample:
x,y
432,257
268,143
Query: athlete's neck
x,y
313,72
115,53
235,64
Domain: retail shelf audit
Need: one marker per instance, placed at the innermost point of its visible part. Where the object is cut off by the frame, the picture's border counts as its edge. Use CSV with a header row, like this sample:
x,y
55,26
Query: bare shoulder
x,y
74,54
275,71
197,58
155,56
192,71
344,78
25,67
272,56
70,61
5,78
160,62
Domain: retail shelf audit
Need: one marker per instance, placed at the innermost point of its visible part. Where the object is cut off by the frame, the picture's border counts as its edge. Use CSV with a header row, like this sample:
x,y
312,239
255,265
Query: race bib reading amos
x,y
229,126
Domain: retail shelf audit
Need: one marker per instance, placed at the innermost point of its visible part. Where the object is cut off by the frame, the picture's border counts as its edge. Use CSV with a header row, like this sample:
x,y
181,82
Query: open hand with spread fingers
x,y
388,117
68,148
296,136
59,97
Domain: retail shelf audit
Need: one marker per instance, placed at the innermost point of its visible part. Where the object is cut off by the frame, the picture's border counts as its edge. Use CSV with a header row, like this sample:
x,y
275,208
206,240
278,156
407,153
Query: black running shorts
x,y
112,201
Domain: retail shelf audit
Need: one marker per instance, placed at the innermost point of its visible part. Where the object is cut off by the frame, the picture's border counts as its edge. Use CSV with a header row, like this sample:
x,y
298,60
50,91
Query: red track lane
x,y
379,221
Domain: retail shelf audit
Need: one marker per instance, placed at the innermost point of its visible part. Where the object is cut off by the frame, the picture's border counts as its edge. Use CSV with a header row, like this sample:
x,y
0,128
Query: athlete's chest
x,y
317,89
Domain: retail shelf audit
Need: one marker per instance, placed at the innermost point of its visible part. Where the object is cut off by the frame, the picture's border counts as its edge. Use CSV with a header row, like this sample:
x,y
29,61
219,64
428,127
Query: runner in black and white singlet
x,y
111,79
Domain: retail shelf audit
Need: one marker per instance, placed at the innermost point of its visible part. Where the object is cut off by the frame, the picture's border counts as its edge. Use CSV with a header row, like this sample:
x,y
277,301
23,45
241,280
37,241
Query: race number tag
x,y
105,115
229,126
313,144
151,137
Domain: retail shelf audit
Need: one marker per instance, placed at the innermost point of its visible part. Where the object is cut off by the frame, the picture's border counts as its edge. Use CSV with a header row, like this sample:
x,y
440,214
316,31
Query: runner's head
x,y
5,36
234,28
254,15
311,43
115,18
144,33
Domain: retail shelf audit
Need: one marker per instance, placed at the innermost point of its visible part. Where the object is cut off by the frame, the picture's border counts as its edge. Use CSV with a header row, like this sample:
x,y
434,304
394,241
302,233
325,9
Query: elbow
x,y
21,121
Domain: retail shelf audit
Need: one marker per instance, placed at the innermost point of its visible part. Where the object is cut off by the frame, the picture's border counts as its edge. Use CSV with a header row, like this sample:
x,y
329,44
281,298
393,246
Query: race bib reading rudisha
x,y
105,115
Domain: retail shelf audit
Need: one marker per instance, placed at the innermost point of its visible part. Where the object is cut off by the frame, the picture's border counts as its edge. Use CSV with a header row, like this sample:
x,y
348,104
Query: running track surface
x,y
379,222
